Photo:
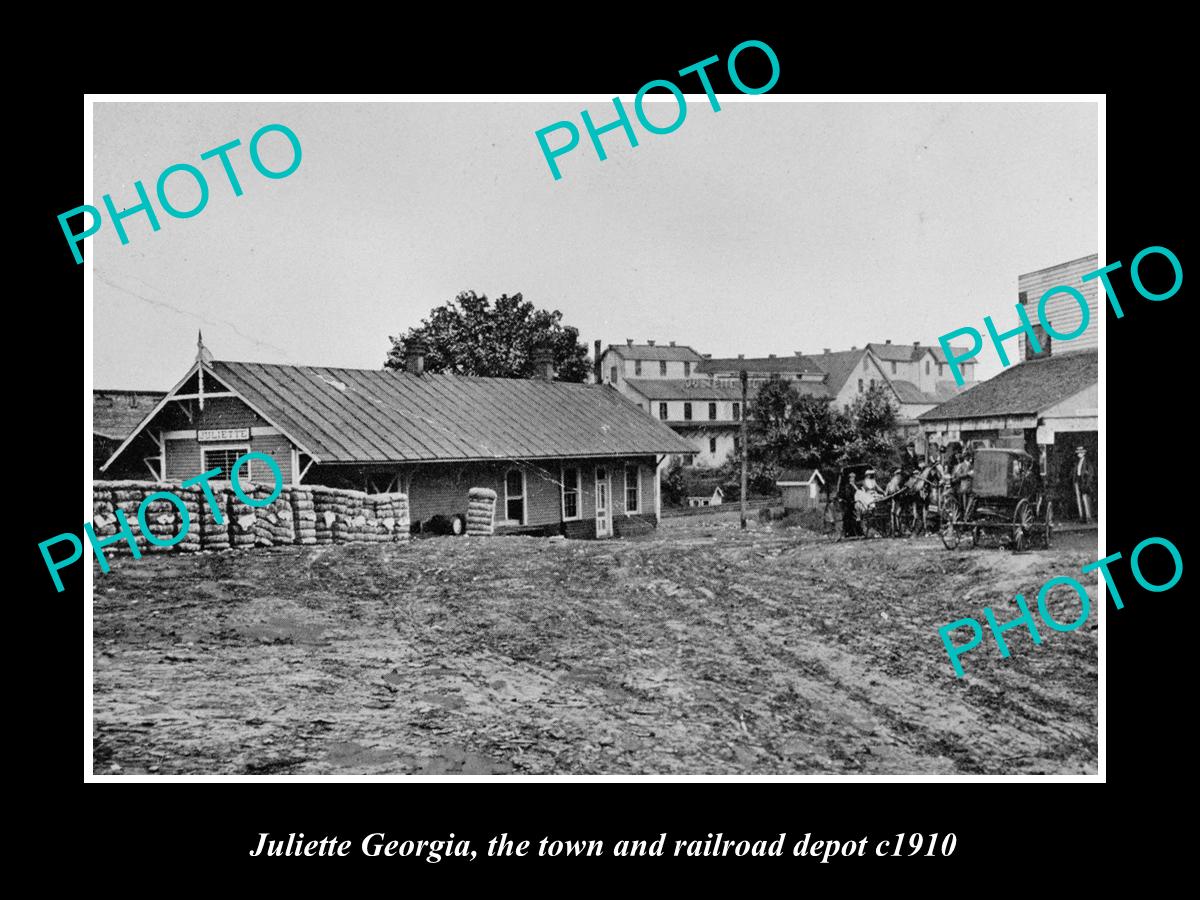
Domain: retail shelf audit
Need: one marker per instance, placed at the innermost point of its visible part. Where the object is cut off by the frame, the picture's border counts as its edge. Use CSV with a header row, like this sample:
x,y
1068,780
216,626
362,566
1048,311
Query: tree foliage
x,y
472,336
872,419
790,430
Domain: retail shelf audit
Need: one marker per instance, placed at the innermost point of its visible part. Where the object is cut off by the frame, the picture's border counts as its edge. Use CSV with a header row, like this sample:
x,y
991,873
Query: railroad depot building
x,y
573,459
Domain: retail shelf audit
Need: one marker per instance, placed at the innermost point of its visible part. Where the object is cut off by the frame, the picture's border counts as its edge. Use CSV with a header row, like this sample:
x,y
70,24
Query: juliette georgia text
x,y
372,845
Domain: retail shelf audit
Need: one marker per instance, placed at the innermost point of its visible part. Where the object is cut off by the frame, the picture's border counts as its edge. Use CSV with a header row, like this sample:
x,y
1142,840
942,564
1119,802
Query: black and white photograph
x,y
475,437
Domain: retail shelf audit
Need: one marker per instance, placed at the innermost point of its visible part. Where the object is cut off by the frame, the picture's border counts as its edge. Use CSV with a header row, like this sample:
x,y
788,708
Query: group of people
x,y
952,465
860,494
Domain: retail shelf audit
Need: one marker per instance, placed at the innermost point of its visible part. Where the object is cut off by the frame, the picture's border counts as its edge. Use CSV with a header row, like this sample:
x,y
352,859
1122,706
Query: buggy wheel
x,y
949,522
1023,525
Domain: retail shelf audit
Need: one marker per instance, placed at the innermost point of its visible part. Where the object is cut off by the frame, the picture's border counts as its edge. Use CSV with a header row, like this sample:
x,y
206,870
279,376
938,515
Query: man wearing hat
x,y
1083,477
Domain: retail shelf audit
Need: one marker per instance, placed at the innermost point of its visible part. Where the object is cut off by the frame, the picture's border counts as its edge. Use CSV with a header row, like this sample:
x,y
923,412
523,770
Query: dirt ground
x,y
699,650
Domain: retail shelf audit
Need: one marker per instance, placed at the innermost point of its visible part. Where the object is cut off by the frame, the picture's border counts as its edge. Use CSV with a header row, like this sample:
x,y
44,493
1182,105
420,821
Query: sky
x,y
767,227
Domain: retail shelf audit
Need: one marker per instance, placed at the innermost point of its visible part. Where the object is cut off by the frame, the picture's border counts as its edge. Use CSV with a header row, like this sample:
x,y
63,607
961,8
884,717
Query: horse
x,y
921,490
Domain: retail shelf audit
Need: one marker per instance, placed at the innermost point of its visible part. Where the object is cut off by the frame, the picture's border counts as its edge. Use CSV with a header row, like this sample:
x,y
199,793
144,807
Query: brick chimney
x,y
825,350
672,343
888,341
649,343
628,342
543,361
597,371
741,356
414,356
798,352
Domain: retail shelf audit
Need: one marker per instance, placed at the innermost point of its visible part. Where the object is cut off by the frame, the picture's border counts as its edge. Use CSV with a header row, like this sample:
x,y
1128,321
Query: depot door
x,y
603,503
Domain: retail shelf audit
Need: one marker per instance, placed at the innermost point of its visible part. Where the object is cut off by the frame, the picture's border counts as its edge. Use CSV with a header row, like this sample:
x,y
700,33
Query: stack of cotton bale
x,y
127,496
351,523
481,510
212,535
304,513
340,515
392,511
274,523
104,522
325,508
243,519
374,512
162,518
193,500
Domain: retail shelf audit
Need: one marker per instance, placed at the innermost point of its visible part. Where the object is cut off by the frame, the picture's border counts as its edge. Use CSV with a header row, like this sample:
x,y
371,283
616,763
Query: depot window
x,y
225,457
570,493
633,489
514,496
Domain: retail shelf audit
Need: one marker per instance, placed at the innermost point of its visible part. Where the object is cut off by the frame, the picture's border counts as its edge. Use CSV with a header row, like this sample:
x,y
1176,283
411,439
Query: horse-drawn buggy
x,y
862,508
1004,496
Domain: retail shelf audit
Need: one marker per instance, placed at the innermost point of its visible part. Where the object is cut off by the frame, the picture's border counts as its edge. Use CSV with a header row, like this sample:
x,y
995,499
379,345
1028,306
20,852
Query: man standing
x,y
908,460
849,522
1084,480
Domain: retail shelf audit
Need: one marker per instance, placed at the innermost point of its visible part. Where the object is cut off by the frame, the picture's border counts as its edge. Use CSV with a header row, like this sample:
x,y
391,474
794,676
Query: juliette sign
x,y
622,120
145,206
1026,327
223,434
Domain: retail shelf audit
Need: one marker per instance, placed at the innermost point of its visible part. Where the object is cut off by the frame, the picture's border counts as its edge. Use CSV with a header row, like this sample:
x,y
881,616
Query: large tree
x,y
794,430
875,437
472,336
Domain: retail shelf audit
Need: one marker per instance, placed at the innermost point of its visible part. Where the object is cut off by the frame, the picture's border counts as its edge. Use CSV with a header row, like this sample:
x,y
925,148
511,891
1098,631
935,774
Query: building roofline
x,y
1059,265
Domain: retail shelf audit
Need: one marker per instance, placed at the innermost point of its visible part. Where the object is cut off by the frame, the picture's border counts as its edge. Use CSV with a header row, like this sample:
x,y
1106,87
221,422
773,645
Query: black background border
x,y
212,830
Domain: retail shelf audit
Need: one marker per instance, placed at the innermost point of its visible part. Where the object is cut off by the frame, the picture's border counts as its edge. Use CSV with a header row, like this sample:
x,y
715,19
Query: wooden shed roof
x,y
1024,389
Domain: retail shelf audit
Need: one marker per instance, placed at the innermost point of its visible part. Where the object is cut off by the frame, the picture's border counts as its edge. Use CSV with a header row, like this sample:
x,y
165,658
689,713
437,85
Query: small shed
x,y
716,498
702,487
801,488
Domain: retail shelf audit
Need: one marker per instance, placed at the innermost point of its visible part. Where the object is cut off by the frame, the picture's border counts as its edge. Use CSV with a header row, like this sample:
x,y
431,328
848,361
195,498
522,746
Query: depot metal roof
x,y
385,415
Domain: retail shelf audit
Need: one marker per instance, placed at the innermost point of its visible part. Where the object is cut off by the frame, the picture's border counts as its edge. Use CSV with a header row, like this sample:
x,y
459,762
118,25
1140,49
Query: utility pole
x,y
745,449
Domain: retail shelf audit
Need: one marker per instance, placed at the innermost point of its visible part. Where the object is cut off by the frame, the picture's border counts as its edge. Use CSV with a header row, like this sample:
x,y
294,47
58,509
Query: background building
x,y
706,414
1048,403
115,415
648,360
